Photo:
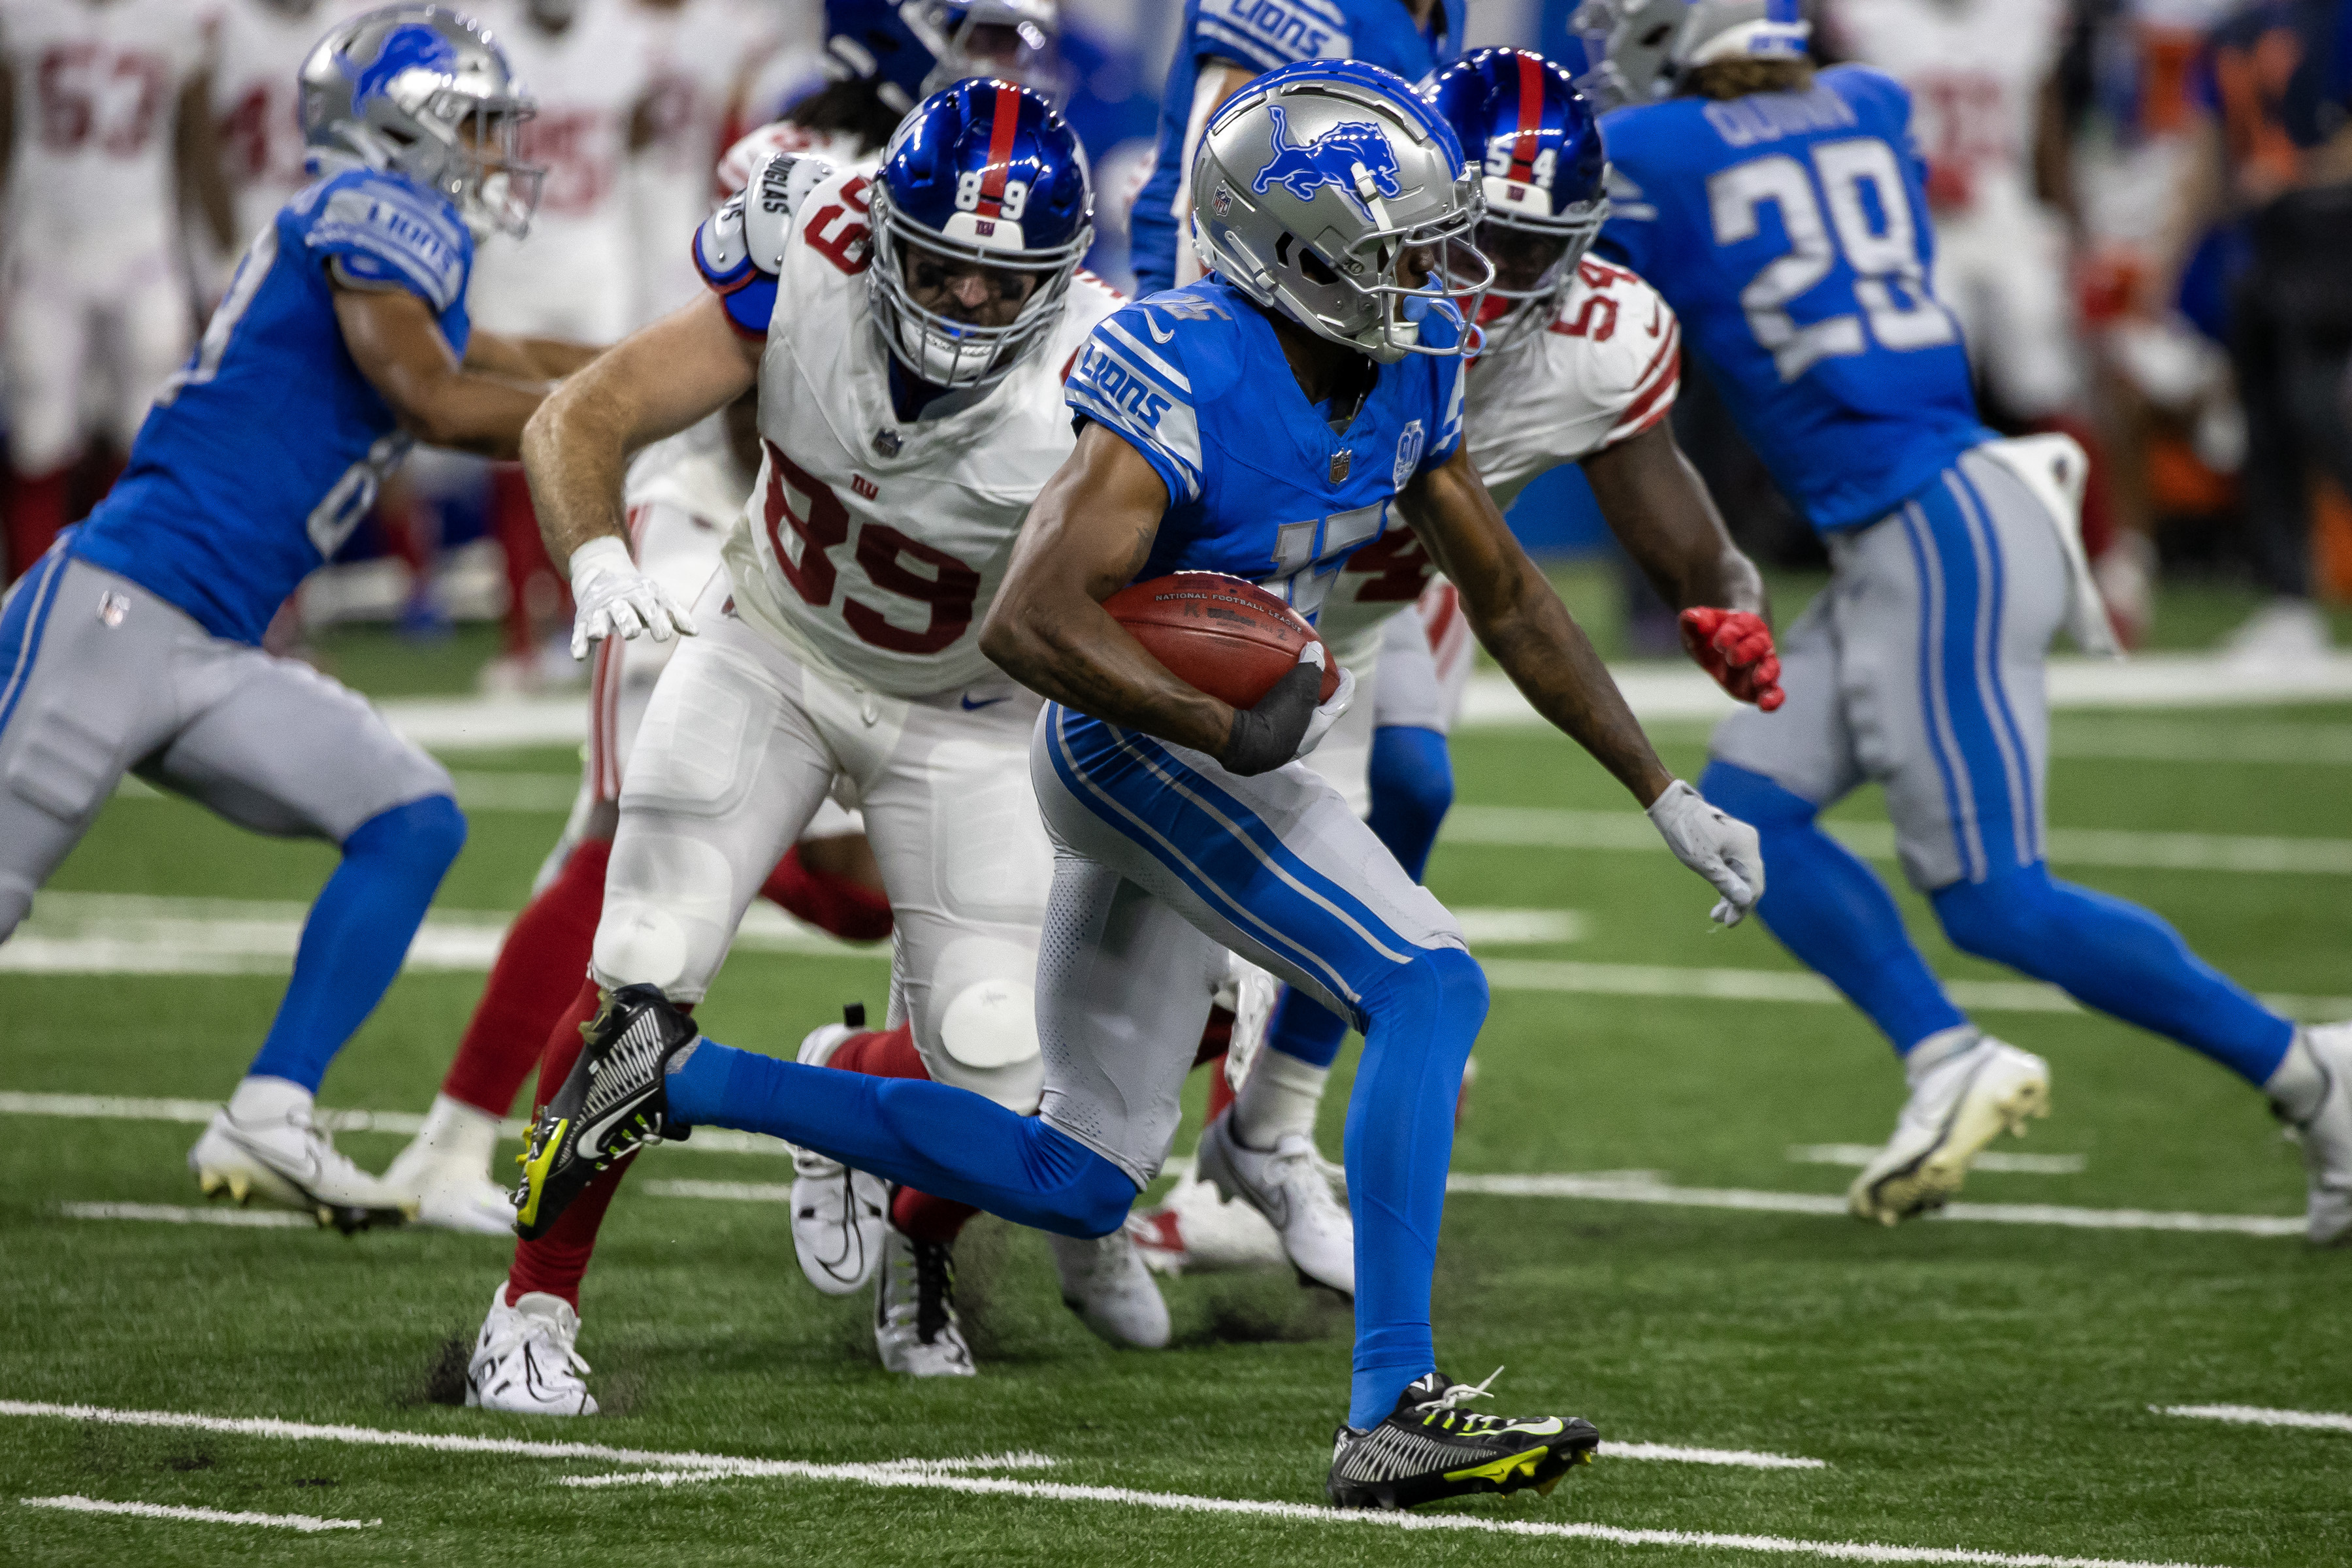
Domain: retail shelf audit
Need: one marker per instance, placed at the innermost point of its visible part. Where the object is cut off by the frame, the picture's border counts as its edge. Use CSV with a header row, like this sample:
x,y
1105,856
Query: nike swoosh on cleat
x,y
971,707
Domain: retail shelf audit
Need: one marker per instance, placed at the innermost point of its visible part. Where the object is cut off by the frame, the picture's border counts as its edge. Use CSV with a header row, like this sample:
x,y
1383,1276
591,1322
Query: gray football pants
x,y
102,678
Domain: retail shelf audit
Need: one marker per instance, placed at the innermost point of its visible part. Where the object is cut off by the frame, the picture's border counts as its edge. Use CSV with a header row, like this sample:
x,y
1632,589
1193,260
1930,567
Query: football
x,y
1229,638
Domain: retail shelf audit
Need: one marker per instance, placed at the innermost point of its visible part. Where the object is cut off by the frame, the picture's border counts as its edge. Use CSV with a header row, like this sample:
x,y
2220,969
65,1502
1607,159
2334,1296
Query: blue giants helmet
x,y
1532,136
983,172
908,49
1317,182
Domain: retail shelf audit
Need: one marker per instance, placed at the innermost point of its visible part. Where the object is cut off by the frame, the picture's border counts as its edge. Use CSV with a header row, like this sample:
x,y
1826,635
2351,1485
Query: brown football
x,y
1228,637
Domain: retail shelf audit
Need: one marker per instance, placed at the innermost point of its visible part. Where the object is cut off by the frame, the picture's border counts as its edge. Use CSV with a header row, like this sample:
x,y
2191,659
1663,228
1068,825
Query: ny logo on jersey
x,y
1352,155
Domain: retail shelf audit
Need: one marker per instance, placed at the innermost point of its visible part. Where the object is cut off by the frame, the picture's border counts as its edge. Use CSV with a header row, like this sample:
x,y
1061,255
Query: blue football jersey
x,y
1789,232
267,448
1259,485
1263,35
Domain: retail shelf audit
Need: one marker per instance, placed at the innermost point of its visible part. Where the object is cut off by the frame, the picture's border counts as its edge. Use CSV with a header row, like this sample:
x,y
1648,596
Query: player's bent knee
x,y
2010,919
421,833
988,1038
1439,982
1757,801
1094,1195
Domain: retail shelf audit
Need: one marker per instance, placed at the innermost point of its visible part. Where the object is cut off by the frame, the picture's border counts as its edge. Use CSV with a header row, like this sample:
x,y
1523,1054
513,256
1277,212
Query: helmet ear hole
x,y
1313,267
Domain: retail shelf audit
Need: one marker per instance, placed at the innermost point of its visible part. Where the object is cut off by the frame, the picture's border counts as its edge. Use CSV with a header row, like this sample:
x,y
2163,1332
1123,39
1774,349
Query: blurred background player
x,y
256,106
1954,563
2270,152
591,64
908,361
1221,45
106,137
1988,118
1580,363
133,644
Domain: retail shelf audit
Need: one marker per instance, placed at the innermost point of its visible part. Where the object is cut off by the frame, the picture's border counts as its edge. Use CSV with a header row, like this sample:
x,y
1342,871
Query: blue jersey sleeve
x,y
382,231
1140,375
1266,33
1629,238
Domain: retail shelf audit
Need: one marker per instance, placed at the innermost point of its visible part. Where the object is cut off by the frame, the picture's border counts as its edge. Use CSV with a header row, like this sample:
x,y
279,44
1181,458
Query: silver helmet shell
x,y
1314,184
426,93
1646,46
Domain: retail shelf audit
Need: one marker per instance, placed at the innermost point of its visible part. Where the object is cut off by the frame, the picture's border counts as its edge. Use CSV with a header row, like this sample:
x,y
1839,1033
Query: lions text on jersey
x,y
269,447
1262,35
1791,232
1259,484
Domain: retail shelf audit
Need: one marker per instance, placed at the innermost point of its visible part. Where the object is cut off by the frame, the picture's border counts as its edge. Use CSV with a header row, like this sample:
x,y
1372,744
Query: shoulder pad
x,y
382,230
748,233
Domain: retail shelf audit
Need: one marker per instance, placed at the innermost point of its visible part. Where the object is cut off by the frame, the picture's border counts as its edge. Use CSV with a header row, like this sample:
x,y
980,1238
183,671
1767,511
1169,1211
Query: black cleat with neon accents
x,y
611,1105
1428,1449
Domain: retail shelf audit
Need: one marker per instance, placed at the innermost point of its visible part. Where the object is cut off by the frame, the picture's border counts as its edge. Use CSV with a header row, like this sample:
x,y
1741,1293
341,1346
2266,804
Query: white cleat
x,y
1106,1285
262,1145
1958,1105
1286,1183
838,1213
1194,1230
916,1327
446,1172
2326,1134
524,1362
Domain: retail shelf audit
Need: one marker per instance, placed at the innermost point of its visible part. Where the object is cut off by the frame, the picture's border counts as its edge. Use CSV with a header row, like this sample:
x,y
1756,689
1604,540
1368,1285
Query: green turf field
x,y
1967,1385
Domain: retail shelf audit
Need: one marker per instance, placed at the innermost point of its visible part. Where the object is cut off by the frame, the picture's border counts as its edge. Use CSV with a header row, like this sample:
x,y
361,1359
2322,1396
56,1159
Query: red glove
x,y
1736,648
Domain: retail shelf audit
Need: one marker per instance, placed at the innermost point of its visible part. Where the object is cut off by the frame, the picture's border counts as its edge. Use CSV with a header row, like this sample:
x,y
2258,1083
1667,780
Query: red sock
x,y
890,1053
557,1260
528,570
537,975
881,1053
36,513
850,910
1214,1037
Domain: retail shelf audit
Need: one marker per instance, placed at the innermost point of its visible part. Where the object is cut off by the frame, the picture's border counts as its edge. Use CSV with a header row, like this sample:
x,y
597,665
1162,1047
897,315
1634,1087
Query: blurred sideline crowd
x,y
2143,208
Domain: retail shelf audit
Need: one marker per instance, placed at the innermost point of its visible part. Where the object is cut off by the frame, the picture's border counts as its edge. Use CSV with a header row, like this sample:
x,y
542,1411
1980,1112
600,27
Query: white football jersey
x,y
1607,366
256,101
1976,69
97,90
873,546
573,276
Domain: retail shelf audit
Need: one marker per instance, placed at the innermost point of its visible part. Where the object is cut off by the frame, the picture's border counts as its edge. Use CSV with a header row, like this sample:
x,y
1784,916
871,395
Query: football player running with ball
x,y
1784,215
1262,423
135,643
1580,362
907,334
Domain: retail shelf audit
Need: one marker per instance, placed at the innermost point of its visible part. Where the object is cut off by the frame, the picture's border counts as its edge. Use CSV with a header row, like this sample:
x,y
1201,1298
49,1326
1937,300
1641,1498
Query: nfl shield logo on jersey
x,y
1408,457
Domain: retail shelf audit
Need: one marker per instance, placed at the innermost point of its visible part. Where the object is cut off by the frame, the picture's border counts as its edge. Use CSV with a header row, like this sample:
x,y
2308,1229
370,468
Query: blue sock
x,y
1831,910
1412,787
2116,957
947,1142
357,934
1423,1019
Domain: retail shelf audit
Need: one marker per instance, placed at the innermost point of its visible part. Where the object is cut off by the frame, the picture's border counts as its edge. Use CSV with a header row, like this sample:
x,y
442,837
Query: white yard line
x,y
173,1213
1855,1156
309,1524
1551,827
2258,1415
945,1476
1614,1187
1737,1458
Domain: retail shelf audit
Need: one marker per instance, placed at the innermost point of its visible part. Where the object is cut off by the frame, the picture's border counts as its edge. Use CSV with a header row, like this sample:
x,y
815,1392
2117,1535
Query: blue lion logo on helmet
x,y
1331,159
407,47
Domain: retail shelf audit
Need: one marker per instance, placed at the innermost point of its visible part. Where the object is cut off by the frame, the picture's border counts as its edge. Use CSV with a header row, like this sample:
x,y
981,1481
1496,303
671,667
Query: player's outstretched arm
x,y
576,449
1656,505
1089,535
527,359
395,338
1519,618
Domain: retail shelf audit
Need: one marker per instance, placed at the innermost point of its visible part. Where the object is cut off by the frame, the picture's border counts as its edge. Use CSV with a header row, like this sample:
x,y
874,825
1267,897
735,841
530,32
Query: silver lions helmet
x,y
1646,46
1328,190
423,92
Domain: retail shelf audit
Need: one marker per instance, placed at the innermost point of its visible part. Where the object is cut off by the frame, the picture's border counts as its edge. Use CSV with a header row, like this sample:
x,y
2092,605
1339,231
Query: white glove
x,y
1328,713
615,599
1721,849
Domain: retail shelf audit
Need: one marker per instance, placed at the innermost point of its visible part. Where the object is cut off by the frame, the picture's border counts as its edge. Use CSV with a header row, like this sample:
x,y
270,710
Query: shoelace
x,y
523,1329
1441,1412
934,1284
